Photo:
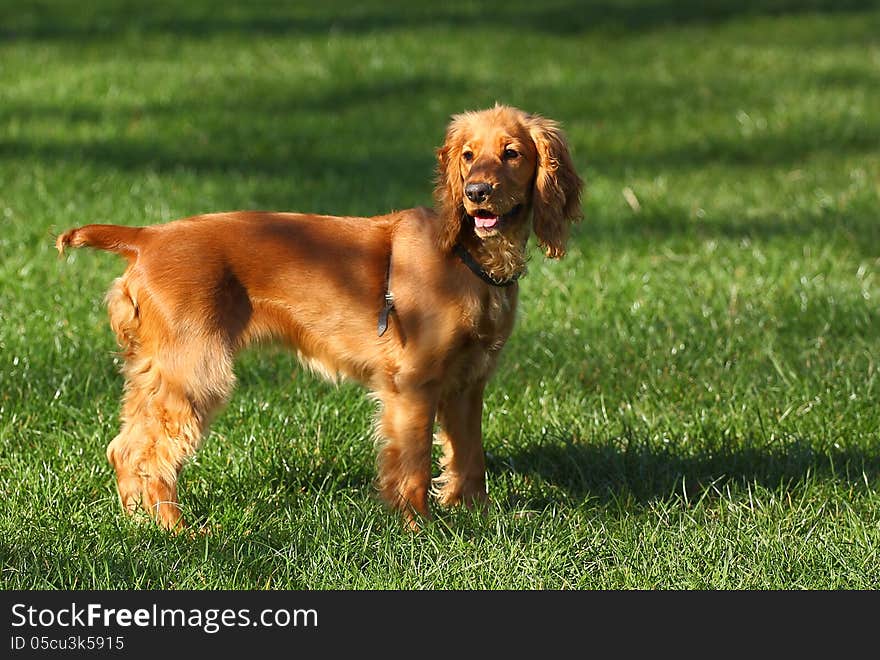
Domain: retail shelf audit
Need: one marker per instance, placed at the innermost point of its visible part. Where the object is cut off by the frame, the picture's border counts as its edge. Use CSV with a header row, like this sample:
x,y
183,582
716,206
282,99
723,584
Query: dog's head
x,y
498,165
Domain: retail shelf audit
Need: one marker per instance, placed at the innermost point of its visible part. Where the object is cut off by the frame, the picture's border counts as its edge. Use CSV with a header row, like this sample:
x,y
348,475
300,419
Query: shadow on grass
x,y
629,469
554,471
784,148
276,141
855,228
37,20
340,183
283,138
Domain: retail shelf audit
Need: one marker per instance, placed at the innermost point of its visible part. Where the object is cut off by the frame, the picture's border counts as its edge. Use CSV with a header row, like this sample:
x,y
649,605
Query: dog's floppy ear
x,y
557,197
449,188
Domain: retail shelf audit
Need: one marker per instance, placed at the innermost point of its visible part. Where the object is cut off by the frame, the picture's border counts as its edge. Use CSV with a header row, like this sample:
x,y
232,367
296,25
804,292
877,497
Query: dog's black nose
x,y
477,192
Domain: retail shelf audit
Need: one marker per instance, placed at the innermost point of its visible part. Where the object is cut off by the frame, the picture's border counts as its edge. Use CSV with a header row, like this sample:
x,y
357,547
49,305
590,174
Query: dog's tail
x,y
113,238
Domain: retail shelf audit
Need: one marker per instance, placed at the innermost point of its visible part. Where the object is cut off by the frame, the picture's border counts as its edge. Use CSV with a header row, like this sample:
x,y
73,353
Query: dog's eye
x,y
510,154
467,155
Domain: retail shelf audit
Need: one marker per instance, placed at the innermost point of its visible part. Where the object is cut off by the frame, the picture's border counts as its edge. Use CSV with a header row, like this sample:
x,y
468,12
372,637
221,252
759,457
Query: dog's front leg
x,y
463,479
405,428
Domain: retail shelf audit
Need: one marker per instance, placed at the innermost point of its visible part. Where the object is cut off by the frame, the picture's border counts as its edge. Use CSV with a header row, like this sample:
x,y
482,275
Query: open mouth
x,y
485,220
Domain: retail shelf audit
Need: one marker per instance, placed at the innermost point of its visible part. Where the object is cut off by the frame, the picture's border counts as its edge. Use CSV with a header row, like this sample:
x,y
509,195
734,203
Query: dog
x,y
416,305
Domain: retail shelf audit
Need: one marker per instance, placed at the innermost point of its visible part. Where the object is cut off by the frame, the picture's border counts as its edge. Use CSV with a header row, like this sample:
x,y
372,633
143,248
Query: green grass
x,y
689,400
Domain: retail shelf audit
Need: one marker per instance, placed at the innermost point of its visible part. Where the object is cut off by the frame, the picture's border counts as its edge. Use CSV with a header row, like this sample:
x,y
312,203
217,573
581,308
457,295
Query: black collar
x,y
468,260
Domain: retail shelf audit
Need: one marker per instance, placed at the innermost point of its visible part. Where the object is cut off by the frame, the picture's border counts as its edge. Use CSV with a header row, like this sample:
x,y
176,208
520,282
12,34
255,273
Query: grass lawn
x,y
689,400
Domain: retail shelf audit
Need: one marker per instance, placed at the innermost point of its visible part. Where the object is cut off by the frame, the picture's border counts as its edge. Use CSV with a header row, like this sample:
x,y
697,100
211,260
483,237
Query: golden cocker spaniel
x,y
416,305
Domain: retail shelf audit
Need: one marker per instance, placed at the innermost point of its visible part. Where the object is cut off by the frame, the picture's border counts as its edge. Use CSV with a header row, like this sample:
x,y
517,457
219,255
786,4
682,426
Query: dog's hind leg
x,y
173,386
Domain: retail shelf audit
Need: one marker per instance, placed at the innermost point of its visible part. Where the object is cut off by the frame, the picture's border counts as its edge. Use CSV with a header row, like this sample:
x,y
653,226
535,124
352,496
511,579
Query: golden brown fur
x,y
198,290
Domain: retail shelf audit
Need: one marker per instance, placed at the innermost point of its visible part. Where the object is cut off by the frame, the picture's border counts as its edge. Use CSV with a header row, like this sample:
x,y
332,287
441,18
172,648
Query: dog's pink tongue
x,y
485,222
